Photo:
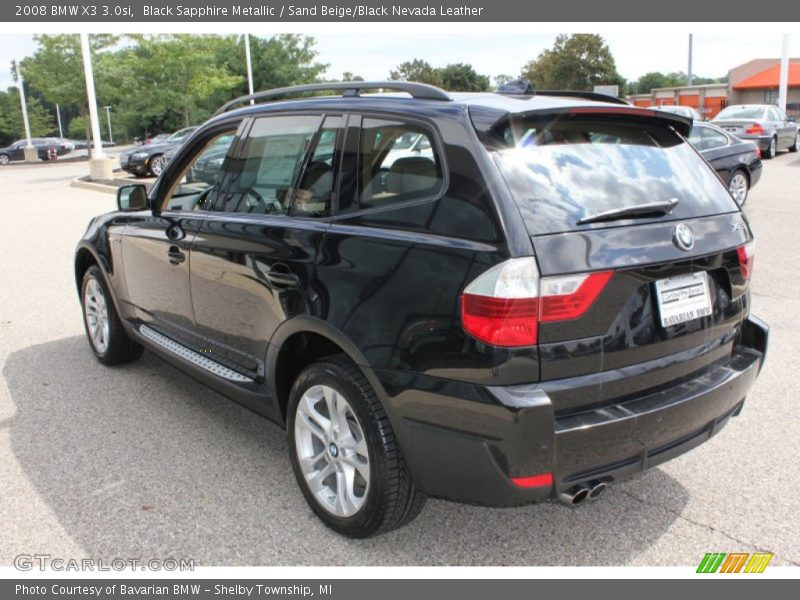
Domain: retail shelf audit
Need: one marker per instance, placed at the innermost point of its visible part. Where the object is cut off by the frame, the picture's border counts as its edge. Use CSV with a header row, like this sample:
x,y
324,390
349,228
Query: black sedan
x,y
737,162
16,151
149,160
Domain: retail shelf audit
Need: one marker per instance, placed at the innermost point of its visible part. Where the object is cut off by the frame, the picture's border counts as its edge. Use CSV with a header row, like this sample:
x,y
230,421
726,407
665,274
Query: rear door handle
x,y
176,257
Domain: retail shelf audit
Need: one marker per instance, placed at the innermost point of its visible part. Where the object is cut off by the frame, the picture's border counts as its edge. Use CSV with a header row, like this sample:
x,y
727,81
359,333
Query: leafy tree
x,y
503,79
416,70
348,76
56,70
12,126
461,77
575,62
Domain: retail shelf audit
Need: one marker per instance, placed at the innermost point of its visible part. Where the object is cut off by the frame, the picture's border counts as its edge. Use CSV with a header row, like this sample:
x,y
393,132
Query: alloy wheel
x,y
738,188
157,165
3,159
95,309
773,147
332,451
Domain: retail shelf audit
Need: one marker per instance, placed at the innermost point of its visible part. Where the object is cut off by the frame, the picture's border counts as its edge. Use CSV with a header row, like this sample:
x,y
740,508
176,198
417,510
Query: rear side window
x,y
397,162
713,139
566,169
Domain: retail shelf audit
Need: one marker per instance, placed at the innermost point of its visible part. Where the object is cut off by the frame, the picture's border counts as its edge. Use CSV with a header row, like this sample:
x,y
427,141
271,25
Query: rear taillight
x,y
755,129
747,255
505,305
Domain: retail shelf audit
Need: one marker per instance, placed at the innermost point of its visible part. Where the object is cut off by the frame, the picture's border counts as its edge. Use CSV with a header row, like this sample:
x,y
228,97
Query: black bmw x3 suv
x,y
494,298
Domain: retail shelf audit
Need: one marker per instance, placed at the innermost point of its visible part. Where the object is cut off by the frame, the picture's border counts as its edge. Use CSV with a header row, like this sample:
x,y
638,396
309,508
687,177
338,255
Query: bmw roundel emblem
x,y
683,237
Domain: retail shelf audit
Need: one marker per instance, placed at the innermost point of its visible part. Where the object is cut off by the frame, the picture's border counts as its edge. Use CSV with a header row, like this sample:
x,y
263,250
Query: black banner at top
x,y
208,11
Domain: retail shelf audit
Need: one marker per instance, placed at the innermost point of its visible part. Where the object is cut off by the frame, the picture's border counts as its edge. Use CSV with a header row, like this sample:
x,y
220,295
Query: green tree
x,y
348,76
575,62
56,70
461,77
12,126
416,70
177,75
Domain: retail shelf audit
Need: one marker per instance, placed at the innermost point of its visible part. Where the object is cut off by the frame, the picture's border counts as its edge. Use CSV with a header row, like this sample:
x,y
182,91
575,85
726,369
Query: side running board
x,y
193,357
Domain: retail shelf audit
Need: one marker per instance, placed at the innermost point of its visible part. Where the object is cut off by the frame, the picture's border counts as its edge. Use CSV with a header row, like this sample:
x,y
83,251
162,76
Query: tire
x,y
796,143
156,165
772,149
4,159
739,186
104,330
381,495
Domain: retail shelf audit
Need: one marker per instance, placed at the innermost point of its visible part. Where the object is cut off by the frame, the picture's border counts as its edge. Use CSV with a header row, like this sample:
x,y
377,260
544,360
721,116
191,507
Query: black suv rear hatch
x,y
580,179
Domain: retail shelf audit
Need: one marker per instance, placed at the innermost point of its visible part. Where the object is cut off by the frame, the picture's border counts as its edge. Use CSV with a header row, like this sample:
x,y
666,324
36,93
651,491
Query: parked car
x,y
149,160
766,125
64,145
157,139
684,111
556,298
16,151
737,162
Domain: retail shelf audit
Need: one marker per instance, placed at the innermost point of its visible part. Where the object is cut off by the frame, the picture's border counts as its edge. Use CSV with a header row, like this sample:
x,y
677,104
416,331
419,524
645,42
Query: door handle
x,y
176,257
279,278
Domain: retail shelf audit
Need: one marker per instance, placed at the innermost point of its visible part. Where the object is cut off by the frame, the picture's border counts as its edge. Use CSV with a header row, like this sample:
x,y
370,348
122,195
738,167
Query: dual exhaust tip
x,y
583,491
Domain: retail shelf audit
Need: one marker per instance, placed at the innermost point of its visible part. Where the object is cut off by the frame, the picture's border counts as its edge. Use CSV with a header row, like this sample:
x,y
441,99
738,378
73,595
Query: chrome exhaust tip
x,y
597,488
574,495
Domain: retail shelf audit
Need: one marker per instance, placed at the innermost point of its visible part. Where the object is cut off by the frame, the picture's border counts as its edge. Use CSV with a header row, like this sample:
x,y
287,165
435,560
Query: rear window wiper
x,y
640,211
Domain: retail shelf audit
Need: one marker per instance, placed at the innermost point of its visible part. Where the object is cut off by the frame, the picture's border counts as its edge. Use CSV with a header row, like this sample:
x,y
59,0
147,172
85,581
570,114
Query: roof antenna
x,y
517,87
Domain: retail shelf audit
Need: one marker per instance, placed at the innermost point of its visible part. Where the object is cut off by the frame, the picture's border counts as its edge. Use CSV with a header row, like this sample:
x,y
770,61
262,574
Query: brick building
x,y
754,82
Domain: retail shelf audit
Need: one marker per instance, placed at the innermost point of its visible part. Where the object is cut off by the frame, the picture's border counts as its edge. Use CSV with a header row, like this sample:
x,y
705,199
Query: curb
x,y
95,187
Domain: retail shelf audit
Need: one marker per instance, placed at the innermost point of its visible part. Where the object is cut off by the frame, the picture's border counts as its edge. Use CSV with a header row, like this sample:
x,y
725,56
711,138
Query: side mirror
x,y
132,197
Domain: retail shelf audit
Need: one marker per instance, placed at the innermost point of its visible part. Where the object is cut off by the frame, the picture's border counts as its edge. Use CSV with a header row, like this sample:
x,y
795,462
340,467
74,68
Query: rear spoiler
x,y
486,119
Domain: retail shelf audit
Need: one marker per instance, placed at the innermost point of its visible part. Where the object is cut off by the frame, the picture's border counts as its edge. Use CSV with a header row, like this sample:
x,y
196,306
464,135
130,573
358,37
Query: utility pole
x,y
31,155
249,64
784,80
689,71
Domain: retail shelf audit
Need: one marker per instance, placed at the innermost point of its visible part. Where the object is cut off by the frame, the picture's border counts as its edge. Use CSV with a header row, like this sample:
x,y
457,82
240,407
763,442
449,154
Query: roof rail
x,y
584,95
420,91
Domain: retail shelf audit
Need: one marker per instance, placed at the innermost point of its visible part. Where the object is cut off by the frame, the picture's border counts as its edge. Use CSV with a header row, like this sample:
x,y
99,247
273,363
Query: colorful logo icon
x,y
734,562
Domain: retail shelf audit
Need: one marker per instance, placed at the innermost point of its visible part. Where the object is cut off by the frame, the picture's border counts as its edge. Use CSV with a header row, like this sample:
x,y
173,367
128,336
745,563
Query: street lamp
x,y
108,116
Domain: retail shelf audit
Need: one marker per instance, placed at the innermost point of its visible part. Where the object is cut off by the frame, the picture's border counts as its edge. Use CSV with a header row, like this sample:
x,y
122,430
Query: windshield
x,y
563,171
741,112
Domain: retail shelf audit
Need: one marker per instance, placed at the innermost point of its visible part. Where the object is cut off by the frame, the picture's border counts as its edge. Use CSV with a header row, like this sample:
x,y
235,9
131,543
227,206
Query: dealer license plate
x,y
683,298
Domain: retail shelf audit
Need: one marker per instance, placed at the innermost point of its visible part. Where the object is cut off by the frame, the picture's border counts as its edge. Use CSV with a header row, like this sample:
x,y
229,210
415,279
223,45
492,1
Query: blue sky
x,y
636,51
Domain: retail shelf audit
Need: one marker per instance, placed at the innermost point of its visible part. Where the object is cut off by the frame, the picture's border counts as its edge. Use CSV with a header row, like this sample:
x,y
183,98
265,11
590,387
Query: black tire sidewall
x,y
366,520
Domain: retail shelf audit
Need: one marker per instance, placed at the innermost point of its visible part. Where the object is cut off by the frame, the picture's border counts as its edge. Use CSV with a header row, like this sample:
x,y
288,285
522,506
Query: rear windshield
x,y
564,170
741,112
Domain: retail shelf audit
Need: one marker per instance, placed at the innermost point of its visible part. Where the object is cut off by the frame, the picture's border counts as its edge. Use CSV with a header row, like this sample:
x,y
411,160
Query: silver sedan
x,y
766,125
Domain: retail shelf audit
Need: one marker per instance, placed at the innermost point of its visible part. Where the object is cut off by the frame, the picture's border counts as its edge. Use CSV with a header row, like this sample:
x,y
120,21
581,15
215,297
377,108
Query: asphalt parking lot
x,y
142,461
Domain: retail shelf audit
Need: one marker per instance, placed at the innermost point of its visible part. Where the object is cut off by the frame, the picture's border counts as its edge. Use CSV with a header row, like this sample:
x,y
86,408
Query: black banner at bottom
x,y
387,589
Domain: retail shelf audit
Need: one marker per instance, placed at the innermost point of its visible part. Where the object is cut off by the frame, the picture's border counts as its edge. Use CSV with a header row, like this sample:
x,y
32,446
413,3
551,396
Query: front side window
x,y
397,162
197,186
287,167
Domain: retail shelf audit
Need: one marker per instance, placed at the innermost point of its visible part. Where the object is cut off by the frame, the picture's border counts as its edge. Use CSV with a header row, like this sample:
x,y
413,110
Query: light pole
x,y
31,155
249,64
58,116
108,116
783,82
100,166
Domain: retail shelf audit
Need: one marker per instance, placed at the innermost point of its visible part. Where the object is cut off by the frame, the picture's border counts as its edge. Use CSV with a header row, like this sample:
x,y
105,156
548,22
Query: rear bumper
x,y
469,448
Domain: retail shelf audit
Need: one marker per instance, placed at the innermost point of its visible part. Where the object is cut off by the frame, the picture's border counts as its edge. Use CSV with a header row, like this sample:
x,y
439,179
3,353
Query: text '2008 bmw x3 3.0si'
x,y
494,298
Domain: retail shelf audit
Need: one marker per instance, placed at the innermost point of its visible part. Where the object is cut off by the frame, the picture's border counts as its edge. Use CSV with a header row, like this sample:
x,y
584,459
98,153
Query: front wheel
x,y
794,147
107,337
344,453
739,186
4,160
